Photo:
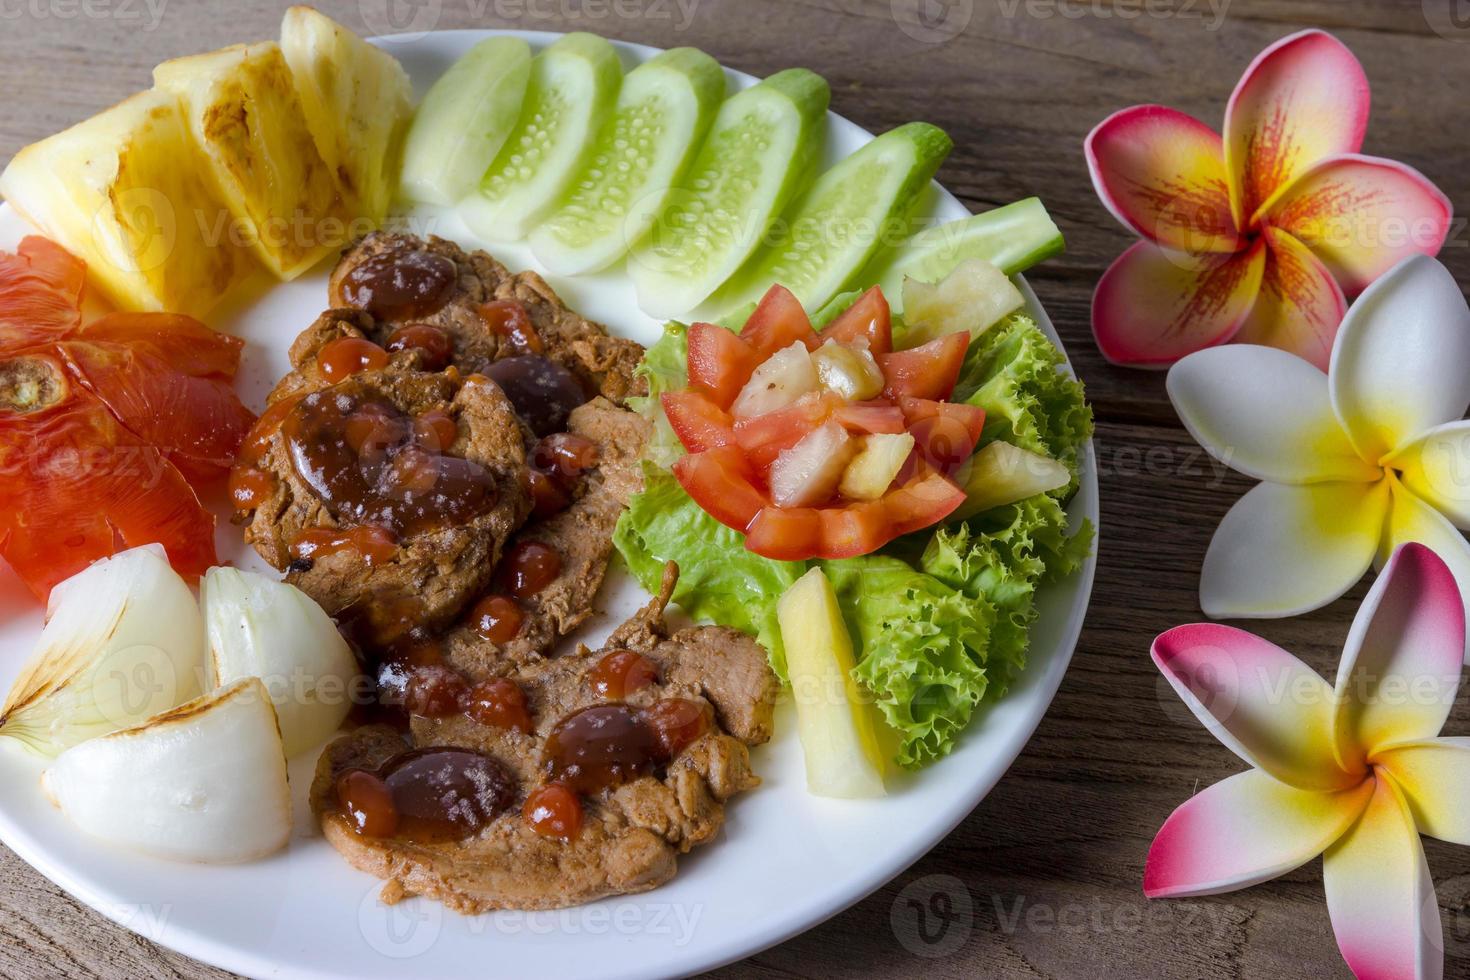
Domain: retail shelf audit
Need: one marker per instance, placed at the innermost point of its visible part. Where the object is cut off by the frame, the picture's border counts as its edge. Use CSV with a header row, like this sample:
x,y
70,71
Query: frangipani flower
x,y
1256,237
1354,772
1355,462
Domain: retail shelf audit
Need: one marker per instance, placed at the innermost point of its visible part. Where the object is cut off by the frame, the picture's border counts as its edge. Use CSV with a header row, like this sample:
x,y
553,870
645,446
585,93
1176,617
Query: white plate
x,y
785,861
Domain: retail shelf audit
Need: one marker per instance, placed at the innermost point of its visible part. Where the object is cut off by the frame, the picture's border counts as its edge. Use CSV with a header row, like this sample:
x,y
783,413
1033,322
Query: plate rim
x,y
823,904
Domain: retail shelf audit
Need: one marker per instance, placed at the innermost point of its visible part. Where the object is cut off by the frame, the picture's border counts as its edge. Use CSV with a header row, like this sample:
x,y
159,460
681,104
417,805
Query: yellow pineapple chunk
x,y
358,101
246,118
127,192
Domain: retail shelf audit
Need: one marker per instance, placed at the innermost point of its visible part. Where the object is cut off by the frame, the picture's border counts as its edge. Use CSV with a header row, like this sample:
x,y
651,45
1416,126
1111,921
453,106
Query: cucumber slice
x,y
574,84
464,121
837,226
1012,238
759,154
664,110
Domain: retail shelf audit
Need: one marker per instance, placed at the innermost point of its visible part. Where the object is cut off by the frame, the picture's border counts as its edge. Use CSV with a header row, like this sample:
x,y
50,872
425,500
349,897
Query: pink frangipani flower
x,y
1354,772
1260,237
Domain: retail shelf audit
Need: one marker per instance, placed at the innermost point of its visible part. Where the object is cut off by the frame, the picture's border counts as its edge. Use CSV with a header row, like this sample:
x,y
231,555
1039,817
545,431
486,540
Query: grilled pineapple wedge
x,y
127,191
246,118
358,101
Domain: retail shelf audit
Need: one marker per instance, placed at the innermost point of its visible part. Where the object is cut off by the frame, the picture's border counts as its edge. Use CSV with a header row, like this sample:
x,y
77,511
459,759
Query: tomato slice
x,y
866,319
720,362
764,436
699,423
786,534
40,293
722,482
777,323
945,433
871,416
921,503
856,529
930,371
184,344
972,417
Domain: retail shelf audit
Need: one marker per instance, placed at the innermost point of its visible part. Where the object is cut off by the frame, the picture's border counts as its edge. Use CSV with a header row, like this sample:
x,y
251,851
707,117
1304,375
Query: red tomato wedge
x,y
777,323
787,534
40,293
872,416
196,422
921,503
75,482
764,436
699,423
929,371
866,319
720,362
723,483
945,433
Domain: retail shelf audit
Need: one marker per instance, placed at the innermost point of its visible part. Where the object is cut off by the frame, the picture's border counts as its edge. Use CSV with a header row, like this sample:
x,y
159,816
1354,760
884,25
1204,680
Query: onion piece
x,y
807,474
259,627
123,641
204,782
784,377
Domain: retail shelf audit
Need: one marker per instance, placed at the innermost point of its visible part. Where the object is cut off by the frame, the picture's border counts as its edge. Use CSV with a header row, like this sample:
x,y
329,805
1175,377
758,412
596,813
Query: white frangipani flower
x,y
1354,463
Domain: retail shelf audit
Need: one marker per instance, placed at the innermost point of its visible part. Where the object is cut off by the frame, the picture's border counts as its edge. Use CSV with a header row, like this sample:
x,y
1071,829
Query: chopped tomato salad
x,y
103,425
821,445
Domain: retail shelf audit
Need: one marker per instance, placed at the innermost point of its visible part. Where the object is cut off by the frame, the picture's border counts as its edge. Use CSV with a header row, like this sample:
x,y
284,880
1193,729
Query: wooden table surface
x,y
1043,879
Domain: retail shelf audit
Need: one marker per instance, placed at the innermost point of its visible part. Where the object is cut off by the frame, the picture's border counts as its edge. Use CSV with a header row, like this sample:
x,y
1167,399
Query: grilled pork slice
x,y
632,831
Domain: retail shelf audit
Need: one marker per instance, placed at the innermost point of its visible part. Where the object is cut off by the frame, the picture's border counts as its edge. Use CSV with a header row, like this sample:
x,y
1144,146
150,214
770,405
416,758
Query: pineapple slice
x,y
247,119
358,101
127,192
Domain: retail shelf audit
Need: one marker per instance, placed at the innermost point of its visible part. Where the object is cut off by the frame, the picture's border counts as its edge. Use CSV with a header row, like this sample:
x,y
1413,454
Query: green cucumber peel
x,y
760,153
828,235
464,121
574,85
664,110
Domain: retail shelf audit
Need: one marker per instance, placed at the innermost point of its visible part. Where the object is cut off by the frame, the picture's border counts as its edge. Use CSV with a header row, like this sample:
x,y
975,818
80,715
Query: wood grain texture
x,y
1043,879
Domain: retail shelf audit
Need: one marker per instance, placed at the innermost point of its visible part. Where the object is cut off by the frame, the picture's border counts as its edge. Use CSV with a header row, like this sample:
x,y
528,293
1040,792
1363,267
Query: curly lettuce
x,y
665,368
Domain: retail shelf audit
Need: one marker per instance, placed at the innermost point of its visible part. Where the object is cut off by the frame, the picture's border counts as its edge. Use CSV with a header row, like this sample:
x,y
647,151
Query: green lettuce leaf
x,y
664,365
1011,371
920,645
718,579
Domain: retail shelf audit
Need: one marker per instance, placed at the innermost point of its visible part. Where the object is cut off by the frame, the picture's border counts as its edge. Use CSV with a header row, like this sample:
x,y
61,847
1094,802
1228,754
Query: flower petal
x,y
1245,830
1398,368
1400,668
1303,99
1282,551
1265,413
1300,306
1436,468
1434,775
1363,215
1378,888
1162,174
1153,306
1412,520
1261,702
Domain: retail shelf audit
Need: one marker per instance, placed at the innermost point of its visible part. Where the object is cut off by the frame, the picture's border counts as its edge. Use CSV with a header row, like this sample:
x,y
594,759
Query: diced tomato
x,y
867,319
786,534
778,322
723,483
764,436
921,503
930,371
872,416
699,423
855,529
720,362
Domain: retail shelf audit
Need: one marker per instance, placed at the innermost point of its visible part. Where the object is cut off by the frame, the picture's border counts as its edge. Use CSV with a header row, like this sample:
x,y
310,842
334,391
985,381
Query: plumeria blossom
x,y
1260,236
1354,772
1356,462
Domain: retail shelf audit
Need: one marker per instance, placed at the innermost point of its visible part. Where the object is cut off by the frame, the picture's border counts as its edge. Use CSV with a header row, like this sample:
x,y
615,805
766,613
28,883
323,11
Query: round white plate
x,y
785,861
